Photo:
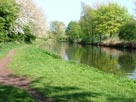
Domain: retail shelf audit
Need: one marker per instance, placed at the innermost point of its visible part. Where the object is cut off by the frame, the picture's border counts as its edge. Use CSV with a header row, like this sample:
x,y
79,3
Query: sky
x,y
70,10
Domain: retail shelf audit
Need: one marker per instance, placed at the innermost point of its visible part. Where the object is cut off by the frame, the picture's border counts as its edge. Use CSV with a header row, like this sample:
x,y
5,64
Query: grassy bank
x,y
66,81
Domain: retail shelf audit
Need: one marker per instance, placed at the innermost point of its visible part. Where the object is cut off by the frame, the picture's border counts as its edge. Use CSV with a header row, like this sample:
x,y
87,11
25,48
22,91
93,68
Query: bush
x,y
128,31
28,36
8,14
74,32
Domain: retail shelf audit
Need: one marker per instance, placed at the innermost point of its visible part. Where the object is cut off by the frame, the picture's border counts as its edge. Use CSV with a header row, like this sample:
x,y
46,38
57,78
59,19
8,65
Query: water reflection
x,y
109,60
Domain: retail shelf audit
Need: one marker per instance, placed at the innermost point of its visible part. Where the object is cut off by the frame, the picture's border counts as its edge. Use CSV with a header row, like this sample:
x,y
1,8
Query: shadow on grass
x,y
122,99
64,94
11,94
74,94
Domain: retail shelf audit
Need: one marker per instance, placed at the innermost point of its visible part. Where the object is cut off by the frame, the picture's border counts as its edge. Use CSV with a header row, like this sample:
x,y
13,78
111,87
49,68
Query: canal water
x,y
115,61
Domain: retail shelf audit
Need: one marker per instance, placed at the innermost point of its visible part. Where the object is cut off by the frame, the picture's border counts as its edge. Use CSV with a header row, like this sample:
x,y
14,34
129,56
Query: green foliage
x,y
28,36
8,14
86,23
74,32
12,94
128,31
102,22
58,29
109,19
64,81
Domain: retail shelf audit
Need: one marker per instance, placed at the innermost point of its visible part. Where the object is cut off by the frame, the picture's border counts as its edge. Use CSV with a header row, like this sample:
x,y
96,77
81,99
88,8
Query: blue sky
x,y
67,10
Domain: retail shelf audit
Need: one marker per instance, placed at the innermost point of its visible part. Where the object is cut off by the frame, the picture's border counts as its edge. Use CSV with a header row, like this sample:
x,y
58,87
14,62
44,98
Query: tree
x,y
109,19
58,29
128,31
74,32
86,23
103,21
8,15
13,26
30,15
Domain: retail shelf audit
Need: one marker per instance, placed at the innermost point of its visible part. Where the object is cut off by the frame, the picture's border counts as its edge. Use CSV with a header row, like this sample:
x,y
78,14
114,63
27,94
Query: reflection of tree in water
x,y
112,51
75,51
93,56
56,47
102,61
127,63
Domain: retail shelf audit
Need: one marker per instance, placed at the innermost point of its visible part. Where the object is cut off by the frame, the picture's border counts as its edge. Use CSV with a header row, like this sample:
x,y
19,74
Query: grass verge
x,y
66,81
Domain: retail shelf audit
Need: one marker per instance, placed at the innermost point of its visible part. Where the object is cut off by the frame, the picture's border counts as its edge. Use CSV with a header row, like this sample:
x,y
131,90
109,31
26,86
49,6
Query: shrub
x,y
128,31
8,14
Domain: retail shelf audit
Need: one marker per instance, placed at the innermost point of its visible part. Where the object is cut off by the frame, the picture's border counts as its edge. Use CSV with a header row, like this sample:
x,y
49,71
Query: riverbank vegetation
x,y
67,81
9,11
21,21
104,25
8,15
57,31
32,16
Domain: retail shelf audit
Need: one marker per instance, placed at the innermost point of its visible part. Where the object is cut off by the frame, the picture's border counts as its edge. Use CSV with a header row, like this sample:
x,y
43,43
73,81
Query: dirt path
x,y
7,78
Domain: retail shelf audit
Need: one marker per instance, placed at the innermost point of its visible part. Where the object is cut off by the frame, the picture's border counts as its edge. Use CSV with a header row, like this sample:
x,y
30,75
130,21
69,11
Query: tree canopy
x,y
87,22
8,15
21,20
128,31
31,15
102,22
110,18
74,31
58,29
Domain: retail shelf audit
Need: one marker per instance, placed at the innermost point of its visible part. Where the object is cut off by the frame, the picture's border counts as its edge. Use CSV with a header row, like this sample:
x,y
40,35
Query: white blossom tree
x,y
32,16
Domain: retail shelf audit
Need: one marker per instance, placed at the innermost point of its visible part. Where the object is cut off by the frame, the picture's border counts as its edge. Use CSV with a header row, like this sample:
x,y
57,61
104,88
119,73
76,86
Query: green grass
x,y
66,81
11,94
